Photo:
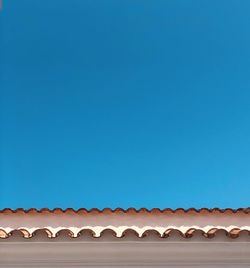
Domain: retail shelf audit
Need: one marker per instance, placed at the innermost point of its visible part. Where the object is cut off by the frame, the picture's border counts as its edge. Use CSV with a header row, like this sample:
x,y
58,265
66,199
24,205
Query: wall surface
x,y
125,253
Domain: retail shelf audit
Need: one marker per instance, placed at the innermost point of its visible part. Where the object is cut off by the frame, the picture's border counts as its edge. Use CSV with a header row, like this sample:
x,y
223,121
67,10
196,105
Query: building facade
x,y
125,238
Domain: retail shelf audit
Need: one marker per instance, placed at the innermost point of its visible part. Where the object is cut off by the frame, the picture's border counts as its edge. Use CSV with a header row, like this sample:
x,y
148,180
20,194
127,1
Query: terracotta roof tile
x,y
119,222
170,210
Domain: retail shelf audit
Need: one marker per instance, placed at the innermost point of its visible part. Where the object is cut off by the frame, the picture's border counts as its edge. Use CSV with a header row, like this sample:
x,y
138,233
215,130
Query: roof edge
x,y
128,210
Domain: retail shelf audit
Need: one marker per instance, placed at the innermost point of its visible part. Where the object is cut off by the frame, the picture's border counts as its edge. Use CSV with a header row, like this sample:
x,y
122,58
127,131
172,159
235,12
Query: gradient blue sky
x,y
108,103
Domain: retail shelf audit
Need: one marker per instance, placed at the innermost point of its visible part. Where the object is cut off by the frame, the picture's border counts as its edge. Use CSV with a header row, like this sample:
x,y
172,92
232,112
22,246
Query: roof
x,y
119,222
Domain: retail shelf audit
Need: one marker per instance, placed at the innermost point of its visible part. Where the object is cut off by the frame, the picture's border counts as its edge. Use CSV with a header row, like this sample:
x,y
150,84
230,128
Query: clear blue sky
x,y
141,103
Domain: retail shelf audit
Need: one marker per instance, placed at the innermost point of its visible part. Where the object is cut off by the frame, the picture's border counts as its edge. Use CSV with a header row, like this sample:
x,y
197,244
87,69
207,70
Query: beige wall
x,y
15,252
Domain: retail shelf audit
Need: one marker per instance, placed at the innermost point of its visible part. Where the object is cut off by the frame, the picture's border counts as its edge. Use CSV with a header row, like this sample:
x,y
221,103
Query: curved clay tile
x,y
128,210
120,222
